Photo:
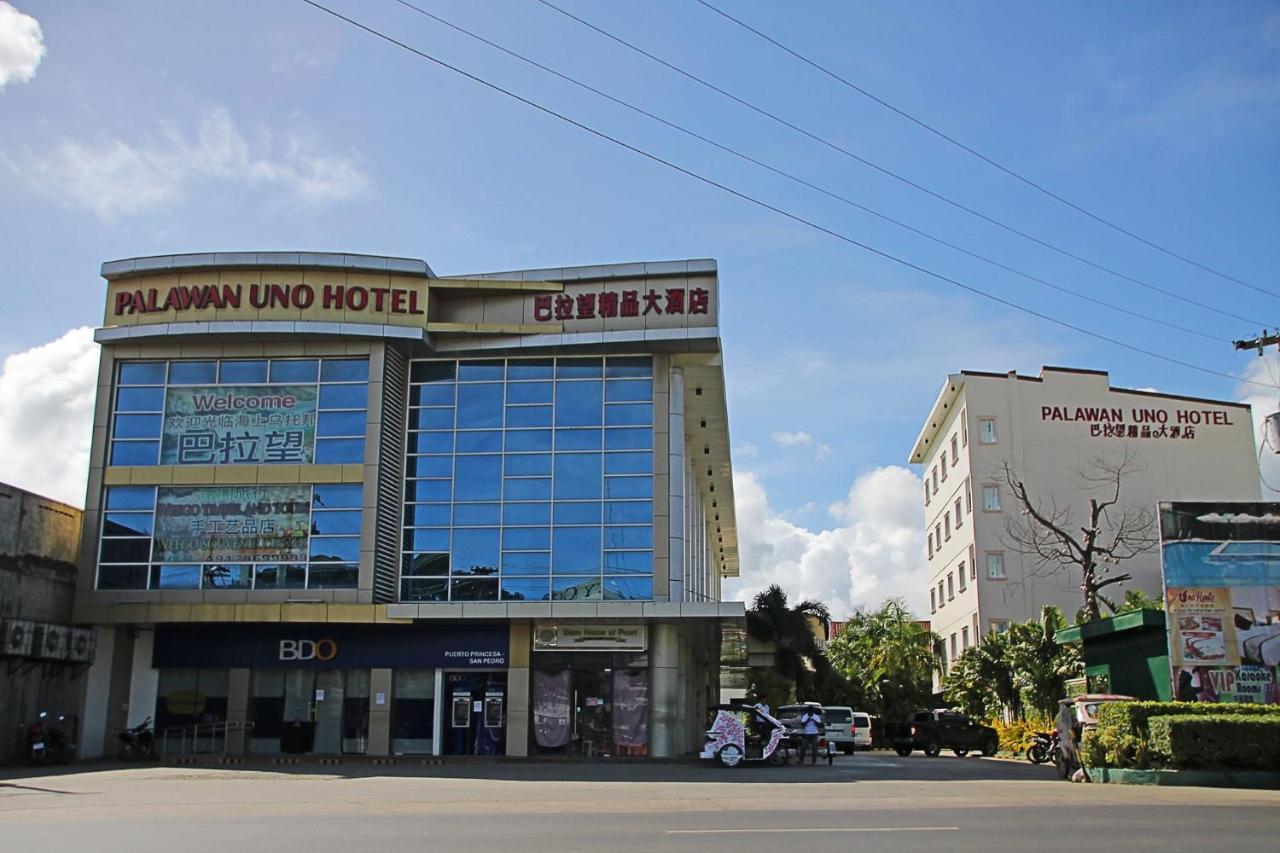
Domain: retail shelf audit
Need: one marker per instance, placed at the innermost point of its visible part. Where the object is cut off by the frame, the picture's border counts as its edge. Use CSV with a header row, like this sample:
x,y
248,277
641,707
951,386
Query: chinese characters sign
x,y
590,305
1118,422
233,424
1221,565
232,524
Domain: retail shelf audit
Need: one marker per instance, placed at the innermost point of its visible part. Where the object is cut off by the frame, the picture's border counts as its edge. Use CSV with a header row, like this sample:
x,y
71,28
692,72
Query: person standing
x,y
811,724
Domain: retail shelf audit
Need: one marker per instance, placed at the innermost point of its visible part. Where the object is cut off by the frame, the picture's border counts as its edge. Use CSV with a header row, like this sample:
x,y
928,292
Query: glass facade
x,y
529,479
239,411
230,537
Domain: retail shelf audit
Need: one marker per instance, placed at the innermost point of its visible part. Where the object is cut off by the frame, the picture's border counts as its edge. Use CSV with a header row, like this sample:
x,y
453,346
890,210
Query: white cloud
x,y
21,45
46,416
875,551
746,450
1265,401
822,451
116,178
791,439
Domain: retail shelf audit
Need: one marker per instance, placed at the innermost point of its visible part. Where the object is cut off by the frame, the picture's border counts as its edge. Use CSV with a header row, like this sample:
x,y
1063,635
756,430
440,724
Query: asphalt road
x,y
869,803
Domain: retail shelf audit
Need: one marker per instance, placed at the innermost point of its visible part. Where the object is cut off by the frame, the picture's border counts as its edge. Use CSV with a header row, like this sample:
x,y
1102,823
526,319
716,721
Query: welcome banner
x,y
239,425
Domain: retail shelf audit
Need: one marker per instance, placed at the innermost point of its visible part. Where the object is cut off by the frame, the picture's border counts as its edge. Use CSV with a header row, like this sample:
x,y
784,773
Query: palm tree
x,y
1043,665
893,655
771,619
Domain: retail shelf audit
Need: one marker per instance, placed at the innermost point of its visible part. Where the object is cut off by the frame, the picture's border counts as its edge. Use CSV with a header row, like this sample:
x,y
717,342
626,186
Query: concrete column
x,y
380,684
676,472
144,680
518,699
239,681
93,726
664,689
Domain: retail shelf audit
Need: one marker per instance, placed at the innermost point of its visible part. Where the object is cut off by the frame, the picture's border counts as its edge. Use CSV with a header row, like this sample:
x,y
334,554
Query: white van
x,y
861,730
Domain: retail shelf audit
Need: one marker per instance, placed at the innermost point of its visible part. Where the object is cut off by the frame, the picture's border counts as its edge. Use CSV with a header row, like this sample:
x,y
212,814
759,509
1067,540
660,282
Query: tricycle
x,y
741,733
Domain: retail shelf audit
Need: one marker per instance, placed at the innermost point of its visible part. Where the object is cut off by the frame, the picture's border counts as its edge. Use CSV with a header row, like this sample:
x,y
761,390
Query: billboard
x,y
232,524
238,425
1221,567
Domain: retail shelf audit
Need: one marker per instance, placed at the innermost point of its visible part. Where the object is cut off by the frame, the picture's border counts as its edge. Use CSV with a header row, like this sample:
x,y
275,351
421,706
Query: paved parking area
x,y
874,801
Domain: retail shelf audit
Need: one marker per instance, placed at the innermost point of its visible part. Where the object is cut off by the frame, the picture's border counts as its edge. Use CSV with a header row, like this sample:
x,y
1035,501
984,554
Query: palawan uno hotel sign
x,y
1176,422
180,301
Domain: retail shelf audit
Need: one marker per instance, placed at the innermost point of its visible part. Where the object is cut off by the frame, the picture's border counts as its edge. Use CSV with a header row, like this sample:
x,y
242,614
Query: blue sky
x,y
153,127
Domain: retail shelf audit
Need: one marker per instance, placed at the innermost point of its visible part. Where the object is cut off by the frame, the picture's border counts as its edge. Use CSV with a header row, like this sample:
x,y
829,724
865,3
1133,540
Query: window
x,y
934,477
942,460
946,523
954,654
999,626
937,535
955,451
959,514
230,537
964,637
977,635
933,600
973,564
960,575
995,565
940,599
926,492
964,429
240,412
529,479
991,498
929,538
951,587
987,431
968,495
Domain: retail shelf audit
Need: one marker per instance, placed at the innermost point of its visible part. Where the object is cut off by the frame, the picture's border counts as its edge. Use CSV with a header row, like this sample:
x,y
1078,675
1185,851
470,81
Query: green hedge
x,y
1234,741
1123,736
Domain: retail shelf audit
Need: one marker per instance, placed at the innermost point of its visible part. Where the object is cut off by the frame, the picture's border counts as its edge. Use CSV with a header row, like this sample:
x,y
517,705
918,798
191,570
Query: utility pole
x,y
1259,343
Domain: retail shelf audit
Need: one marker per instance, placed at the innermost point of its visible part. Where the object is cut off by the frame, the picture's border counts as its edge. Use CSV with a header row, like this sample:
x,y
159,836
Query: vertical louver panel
x,y
386,566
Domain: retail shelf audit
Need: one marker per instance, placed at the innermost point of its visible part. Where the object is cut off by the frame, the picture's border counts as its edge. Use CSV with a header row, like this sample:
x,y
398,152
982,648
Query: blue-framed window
x,y
239,411
529,479
131,558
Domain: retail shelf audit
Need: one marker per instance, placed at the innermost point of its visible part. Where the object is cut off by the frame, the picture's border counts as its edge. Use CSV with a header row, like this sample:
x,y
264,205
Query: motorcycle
x,y
1043,748
47,742
139,742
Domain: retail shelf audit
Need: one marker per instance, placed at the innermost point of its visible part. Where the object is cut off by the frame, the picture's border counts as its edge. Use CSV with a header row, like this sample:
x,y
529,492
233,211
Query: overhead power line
x,y
983,157
829,193
864,161
771,207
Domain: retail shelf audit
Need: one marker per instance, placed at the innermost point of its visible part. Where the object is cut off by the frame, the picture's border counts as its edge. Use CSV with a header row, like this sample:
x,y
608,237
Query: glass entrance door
x,y
475,713
298,711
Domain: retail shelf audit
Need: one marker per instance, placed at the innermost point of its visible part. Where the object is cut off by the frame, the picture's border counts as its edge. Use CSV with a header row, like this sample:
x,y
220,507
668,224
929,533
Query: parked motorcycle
x,y
139,742
1043,748
47,741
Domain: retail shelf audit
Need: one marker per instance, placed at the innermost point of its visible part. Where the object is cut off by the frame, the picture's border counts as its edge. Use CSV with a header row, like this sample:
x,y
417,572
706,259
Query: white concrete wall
x,y
93,732
1219,463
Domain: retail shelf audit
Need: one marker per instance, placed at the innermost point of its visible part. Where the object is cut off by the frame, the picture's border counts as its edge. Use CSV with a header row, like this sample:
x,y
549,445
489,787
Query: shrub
x,y
1122,738
1018,735
1216,740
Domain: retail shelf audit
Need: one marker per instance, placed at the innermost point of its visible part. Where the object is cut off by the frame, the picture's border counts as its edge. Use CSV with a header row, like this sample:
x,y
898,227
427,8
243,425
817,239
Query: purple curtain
x,y
630,707
551,708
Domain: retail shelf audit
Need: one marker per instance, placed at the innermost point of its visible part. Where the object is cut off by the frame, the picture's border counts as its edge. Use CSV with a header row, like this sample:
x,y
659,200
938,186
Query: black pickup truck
x,y
934,731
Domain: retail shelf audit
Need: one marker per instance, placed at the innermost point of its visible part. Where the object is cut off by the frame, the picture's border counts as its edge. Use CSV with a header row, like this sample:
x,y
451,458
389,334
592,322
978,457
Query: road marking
x,y
816,829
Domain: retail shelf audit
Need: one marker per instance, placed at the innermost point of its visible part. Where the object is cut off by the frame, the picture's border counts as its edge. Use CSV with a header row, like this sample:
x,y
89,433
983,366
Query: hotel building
x,y
1048,428
338,504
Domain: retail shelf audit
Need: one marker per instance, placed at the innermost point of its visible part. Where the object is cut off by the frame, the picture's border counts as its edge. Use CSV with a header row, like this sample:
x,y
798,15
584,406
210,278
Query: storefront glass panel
x,y
590,704
323,711
413,709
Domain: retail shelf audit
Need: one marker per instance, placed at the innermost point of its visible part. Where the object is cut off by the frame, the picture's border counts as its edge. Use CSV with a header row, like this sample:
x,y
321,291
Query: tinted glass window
x,y
142,373
479,406
195,373
344,370
579,404
291,370
242,371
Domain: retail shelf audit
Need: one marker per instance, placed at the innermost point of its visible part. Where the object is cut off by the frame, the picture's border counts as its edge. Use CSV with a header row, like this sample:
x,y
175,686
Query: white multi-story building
x,y
1048,428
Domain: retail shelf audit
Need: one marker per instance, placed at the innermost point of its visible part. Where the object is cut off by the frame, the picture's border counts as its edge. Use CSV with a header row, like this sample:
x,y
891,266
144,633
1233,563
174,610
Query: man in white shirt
x,y
811,725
